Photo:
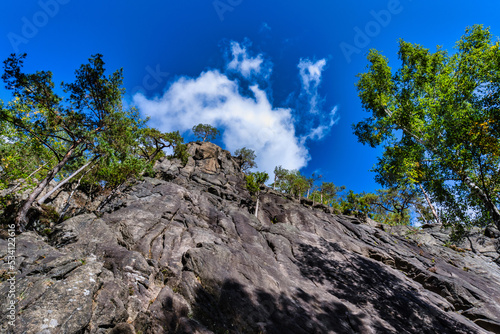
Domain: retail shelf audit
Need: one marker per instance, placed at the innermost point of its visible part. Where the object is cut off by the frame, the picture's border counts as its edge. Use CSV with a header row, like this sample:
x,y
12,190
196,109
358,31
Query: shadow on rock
x,y
235,309
370,286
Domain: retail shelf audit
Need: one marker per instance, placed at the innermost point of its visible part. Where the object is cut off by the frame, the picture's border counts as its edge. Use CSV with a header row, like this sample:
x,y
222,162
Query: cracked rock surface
x,y
183,253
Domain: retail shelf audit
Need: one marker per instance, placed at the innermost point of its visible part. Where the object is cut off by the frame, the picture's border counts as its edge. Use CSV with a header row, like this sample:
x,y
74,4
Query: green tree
x,y
22,158
205,132
359,205
253,183
291,182
438,119
90,125
392,206
328,194
426,213
311,181
246,158
153,142
279,176
298,183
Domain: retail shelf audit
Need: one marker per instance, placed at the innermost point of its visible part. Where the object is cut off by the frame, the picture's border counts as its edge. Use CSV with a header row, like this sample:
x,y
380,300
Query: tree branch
x,y
60,184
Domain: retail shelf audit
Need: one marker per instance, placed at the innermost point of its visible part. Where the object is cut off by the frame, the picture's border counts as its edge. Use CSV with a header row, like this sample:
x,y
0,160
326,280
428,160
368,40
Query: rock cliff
x,y
183,253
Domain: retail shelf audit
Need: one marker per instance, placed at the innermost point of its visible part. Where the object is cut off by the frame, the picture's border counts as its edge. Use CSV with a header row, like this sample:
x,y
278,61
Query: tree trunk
x,y
63,211
421,215
430,204
60,184
21,219
257,206
490,206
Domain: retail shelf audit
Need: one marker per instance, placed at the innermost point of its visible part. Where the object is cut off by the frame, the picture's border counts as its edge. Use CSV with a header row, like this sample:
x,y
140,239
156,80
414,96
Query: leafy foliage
x,y
290,182
438,119
359,205
390,206
153,142
255,180
47,137
22,157
205,132
247,158
294,183
253,183
329,194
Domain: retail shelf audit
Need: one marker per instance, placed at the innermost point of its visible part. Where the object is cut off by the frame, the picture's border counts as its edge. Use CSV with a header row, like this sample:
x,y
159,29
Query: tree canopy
x,y
247,158
48,137
437,118
388,206
253,183
205,132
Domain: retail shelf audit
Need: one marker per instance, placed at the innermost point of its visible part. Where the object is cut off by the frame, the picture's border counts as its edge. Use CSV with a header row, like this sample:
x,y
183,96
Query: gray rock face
x,y
183,253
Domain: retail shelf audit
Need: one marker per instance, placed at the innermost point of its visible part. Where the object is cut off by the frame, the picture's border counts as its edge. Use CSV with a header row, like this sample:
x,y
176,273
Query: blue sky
x,y
275,76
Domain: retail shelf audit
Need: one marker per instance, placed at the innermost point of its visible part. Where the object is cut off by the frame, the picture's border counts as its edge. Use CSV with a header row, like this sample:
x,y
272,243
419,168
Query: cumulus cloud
x,y
248,121
243,63
237,102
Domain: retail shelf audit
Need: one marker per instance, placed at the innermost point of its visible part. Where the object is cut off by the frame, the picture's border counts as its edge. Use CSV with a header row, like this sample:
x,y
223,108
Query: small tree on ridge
x,y
247,158
205,132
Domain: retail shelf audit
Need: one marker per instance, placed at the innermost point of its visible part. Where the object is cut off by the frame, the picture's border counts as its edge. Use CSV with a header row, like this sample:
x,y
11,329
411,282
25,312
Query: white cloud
x,y
237,102
243,63
322,130
250,122
318,124
310,76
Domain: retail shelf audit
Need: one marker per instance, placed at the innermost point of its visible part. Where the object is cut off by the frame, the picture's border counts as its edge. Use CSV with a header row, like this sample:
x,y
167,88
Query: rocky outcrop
x,y
183,253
